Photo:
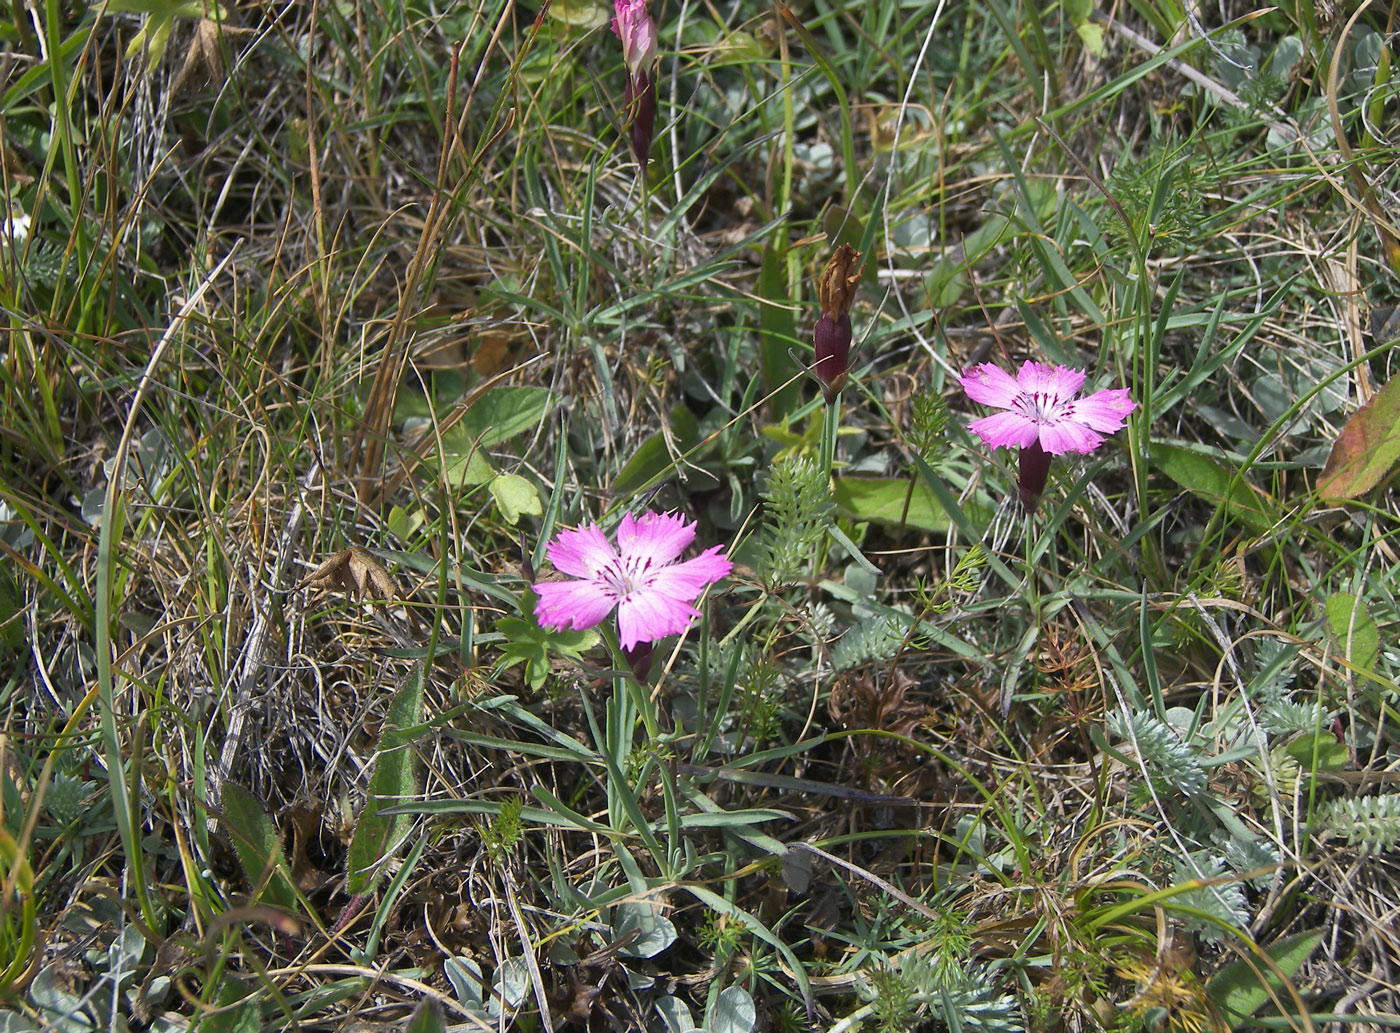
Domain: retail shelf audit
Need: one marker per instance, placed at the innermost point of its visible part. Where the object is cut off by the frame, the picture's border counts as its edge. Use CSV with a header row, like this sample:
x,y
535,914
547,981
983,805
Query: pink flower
x,y
637,31
634,27
1041,406
653,593
1044,416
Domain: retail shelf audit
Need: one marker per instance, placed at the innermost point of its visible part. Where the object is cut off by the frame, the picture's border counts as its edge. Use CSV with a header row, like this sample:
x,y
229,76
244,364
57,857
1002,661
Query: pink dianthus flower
x,y
1043,416
653,591
637,31
634,27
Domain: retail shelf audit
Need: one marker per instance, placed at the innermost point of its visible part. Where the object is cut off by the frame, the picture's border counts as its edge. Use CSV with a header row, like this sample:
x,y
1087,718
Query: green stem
x,y
832,423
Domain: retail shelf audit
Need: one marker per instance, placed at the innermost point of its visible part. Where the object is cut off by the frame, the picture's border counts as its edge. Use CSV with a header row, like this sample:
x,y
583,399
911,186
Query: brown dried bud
x,y
839,281
831,337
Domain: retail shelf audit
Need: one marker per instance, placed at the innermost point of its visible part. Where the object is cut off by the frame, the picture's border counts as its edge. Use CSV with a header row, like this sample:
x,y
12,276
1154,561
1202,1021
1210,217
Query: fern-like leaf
x,y
1170,763
1369,823
796,516
871,641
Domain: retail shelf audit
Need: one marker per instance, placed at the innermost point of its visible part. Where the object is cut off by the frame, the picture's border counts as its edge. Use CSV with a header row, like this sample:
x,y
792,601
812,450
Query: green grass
x,y
328,317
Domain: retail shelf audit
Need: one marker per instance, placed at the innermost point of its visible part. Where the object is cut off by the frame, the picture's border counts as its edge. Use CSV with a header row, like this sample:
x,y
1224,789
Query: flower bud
x,y
639,659
640,100
831,337
1034,470
633,25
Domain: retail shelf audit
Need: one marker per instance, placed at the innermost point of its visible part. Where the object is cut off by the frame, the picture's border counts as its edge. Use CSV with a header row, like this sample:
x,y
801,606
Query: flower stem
x,y
636,691
832,422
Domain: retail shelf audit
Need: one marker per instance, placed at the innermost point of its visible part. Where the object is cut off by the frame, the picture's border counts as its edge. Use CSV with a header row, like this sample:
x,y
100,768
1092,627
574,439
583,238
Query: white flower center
x,y
1042,406
625,576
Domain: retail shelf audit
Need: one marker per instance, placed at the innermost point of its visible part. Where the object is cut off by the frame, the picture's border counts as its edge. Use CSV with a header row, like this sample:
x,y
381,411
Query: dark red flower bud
x,y
639,659
831,337
1035,468
640,97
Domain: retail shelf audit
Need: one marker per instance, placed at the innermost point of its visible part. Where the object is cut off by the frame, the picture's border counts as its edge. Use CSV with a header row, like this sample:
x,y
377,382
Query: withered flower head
x,y
839,281
831,336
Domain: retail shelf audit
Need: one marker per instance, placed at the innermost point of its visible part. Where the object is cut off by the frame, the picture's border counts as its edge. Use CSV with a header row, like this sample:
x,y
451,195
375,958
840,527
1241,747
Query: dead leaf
x,y
356,572
1366,449
207,51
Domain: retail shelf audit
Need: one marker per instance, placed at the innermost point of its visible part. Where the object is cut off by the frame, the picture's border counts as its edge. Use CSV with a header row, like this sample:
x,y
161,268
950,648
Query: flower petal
x,y
582,551
1005,429
685,581
655,539
634,27
991,385
1060,381
647,615
1104,411
572,604
1068,436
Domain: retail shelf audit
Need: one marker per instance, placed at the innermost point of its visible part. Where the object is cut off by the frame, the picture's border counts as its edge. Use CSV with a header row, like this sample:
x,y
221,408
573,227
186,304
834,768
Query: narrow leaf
x,y
778,333
427,1018
257,844
1242,987
1204,476
394,781
653,457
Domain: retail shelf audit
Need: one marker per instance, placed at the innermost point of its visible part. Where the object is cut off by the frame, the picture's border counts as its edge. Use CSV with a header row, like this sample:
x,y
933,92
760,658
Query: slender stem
x,y
640,697
832,418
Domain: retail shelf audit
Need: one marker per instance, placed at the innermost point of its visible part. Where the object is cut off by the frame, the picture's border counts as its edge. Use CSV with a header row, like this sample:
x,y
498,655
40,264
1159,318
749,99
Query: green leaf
x,y
237,1011
169,8
882,499
394,781
464,463
654,932
529,643
654,457
257,844
403,523
1366,449
1080,14
1330,754
496,416
1092,36
1354,630
516,497
504,412
1203,476
734,1011
427,1018
777,333
154,36
1242,987
583,15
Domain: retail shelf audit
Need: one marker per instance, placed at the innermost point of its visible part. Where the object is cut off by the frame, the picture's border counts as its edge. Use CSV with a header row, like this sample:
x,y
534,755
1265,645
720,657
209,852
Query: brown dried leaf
x,y
356,572
206,51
